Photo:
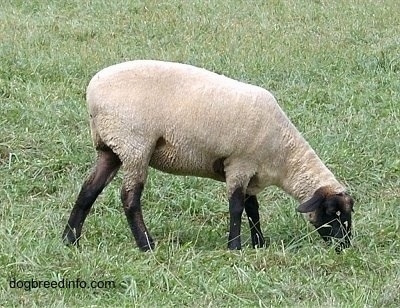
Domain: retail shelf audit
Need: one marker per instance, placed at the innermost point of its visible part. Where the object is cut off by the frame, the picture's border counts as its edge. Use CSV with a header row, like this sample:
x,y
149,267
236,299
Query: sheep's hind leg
x,y
130,196
236,207
105,169
251,206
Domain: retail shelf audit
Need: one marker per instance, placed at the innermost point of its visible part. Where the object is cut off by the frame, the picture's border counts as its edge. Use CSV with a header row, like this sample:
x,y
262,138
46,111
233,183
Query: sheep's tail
x,y
96,139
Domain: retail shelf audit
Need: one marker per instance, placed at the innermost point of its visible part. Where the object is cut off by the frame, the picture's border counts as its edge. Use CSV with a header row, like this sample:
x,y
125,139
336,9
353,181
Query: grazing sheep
x,y
188,121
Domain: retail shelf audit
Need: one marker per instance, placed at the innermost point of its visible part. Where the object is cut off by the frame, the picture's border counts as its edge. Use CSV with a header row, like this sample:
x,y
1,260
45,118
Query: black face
x,y
331,215
334,222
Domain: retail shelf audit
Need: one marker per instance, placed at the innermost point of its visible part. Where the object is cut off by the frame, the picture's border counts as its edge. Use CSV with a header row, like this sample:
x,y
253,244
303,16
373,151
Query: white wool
x,y
182,119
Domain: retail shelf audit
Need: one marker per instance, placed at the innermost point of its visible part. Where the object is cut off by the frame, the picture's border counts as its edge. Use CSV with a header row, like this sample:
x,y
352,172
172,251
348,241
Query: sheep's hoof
x,y
234,245
145,243
261,242
257,241
69,237
146,247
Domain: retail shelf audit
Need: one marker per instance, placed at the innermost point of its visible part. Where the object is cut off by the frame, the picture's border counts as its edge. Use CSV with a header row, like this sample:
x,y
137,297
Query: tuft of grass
x,y
334,67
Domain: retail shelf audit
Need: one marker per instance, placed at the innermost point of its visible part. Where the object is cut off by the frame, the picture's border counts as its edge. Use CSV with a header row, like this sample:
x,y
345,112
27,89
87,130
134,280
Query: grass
x,y
334,67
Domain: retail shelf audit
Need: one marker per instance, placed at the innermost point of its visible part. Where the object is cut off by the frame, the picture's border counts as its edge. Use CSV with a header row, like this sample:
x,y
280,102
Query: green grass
x,y
334,67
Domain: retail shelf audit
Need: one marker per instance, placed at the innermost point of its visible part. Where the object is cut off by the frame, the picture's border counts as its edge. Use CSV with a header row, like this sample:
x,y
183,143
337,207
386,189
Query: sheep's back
x,y
194,115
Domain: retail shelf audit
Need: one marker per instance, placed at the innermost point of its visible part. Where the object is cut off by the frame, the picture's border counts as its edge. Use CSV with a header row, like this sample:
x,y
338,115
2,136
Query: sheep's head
x,y
330,213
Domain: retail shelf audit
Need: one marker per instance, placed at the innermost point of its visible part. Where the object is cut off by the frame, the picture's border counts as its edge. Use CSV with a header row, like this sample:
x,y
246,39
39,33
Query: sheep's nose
x,y
343,244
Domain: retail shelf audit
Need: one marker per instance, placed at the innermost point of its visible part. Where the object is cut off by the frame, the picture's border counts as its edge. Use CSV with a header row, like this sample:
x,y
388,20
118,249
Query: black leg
x,y
236,207
251,207
106,167
133,211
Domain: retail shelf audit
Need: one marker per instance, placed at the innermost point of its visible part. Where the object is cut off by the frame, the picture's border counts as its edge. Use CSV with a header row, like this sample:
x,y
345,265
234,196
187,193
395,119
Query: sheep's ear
x,y
311,205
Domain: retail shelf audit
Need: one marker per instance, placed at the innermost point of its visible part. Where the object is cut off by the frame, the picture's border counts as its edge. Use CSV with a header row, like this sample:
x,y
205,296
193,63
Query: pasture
x,y
334,67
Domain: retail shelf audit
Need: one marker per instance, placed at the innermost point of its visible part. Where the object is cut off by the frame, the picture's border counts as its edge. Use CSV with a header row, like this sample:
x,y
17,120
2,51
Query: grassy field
x,y
334,67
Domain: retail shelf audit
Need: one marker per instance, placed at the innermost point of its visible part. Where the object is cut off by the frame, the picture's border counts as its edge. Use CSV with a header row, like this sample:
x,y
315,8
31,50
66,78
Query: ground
x,y
333,66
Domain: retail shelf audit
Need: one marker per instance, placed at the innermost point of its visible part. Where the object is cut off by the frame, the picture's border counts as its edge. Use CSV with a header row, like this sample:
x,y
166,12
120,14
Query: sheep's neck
x,y
306,173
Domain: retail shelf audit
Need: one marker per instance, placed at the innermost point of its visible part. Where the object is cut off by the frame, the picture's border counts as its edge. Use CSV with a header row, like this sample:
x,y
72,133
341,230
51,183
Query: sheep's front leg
x,y
133,210
251,206
236,207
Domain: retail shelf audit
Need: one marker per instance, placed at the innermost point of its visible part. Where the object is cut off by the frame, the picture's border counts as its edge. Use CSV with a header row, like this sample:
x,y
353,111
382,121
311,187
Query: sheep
x,y
185,120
